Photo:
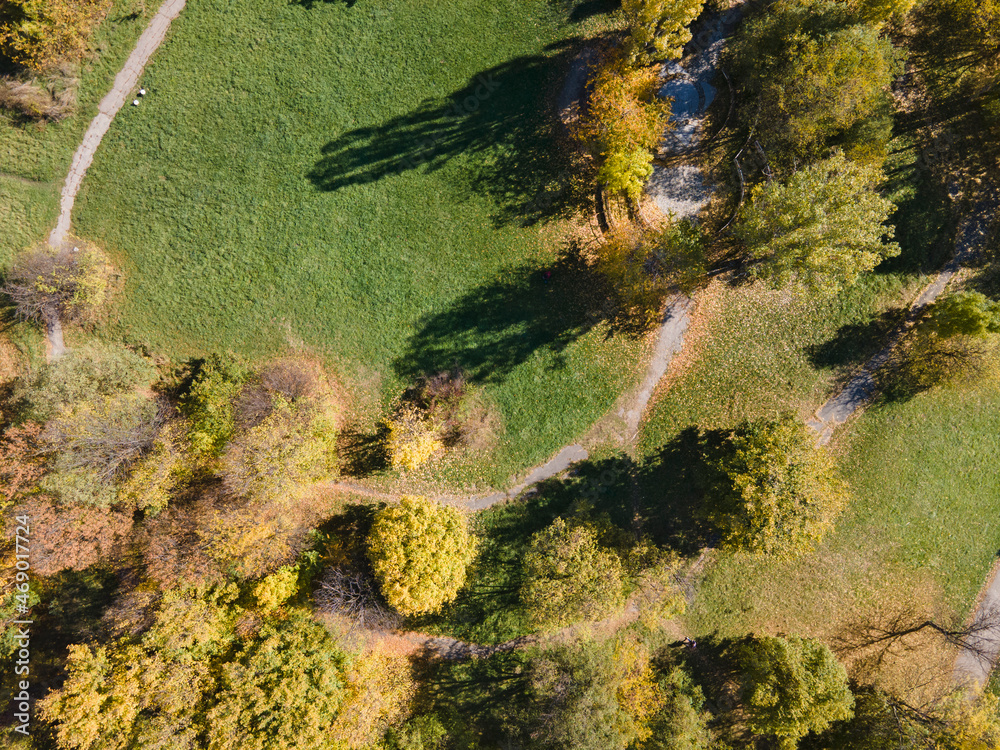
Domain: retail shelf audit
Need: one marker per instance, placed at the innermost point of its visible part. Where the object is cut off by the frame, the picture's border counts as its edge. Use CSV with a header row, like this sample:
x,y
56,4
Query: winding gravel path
x,y
861,389
125,81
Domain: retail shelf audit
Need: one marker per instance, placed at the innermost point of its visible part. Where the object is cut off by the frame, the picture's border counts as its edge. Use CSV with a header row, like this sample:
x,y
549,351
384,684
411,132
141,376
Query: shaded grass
x,y
356,181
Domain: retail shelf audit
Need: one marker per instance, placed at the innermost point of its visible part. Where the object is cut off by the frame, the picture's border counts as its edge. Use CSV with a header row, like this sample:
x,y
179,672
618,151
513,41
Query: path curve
x,y
861,388
125,81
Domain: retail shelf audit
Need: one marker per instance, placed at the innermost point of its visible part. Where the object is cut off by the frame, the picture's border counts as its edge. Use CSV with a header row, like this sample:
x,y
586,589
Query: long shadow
x,y
501,123
493,329
671,487
854,343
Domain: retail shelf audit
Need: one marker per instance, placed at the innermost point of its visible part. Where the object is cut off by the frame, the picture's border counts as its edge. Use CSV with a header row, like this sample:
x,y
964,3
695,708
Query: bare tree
x,y
885,634
353,595
46,284
107,437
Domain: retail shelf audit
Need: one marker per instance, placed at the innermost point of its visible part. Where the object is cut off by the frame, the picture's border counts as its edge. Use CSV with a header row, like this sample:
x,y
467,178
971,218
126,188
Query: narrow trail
x,y
861,388
125,81
112,102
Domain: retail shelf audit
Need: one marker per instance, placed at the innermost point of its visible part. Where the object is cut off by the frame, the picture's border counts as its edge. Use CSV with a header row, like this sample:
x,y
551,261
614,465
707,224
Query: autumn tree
x,y
42,35
816,73
47,284
20,465
412,439
88,372
95,444
954,341
770,490
569,577
964,314
592,694
642,265
292,448
658,29
821,229
71,537
790,687
283,689
419,551
624,125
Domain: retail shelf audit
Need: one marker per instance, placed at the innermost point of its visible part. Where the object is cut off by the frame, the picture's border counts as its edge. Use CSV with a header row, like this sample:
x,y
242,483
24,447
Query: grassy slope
x,y
40,154
299,175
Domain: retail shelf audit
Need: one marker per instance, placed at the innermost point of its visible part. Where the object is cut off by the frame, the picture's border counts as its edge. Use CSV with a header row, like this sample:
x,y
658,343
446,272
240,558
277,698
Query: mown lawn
x,y
34,159
373,183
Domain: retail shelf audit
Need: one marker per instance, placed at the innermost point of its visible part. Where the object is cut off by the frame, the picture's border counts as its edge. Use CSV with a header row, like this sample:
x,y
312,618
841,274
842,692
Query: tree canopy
x,y
770,489
790,687
419,551
821,229
569,577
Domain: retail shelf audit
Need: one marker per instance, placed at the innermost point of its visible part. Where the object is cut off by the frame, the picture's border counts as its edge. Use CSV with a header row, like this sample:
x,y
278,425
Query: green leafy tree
x,y
568,576
770,490
964,314
822,228
283,689
419,551
682,722
790,687
815,72
208,405
594,695
658,29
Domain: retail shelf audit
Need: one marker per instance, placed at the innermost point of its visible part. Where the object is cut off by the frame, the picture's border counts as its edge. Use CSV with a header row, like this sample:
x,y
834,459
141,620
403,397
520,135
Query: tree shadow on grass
x,y
491,330
854,343
671,487
501,122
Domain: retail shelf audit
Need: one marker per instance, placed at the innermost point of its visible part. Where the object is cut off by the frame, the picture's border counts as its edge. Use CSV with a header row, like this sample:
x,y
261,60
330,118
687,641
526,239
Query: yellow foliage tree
x,y
41,34
419,551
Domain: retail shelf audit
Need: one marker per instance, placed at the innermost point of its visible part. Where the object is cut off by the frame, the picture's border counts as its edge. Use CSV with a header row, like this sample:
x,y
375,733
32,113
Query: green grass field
x,y
372,183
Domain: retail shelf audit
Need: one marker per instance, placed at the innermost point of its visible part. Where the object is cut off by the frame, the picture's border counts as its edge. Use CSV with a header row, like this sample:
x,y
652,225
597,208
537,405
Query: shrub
x,y
770,489
419,551
411,439
28,98
569,577
71,282
42,35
